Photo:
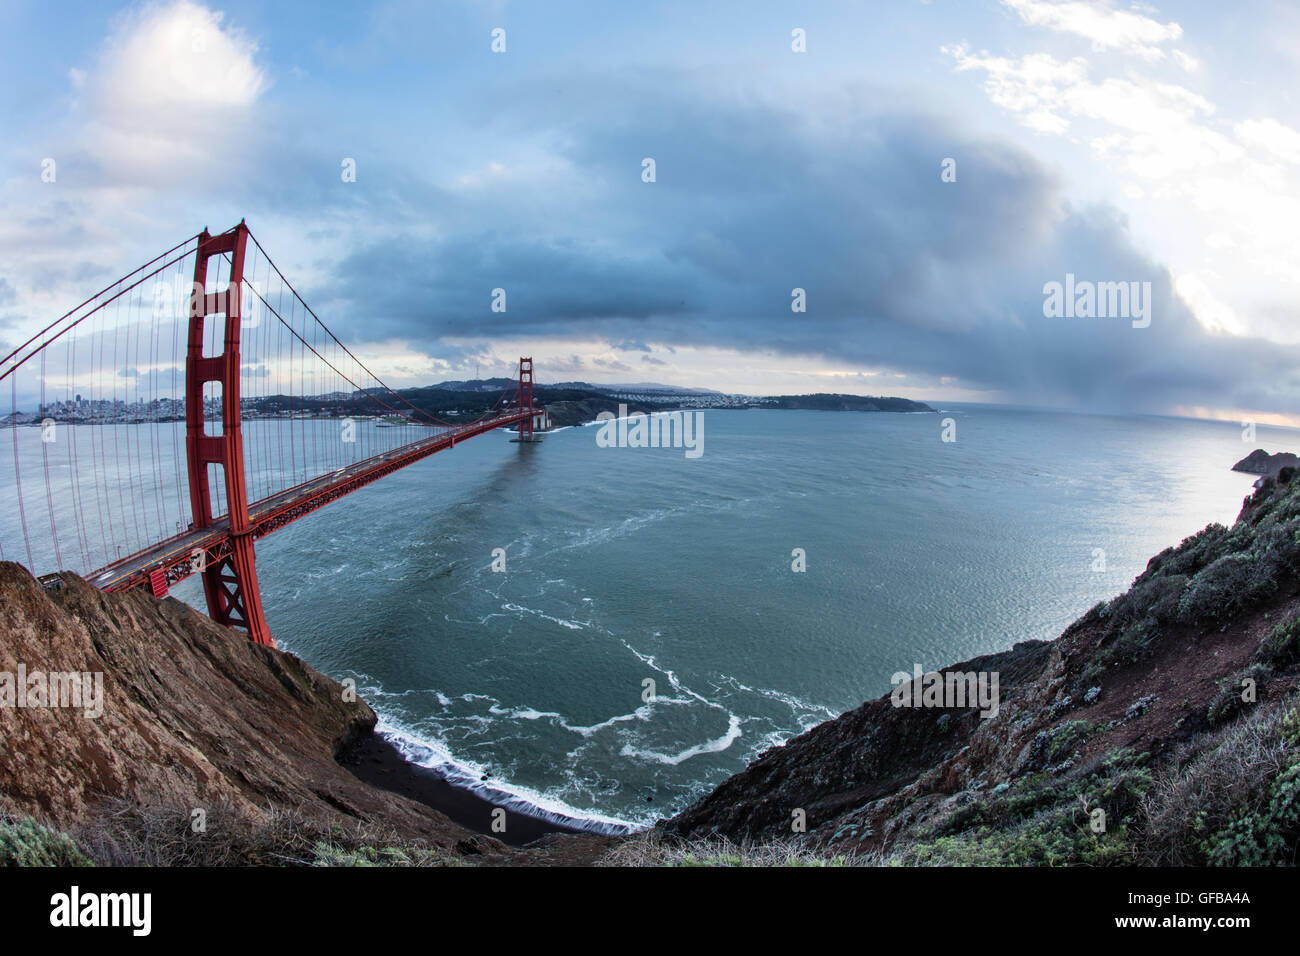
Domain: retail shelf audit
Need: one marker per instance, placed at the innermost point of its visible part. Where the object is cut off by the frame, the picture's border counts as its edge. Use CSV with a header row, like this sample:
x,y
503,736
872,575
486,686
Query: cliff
x,y
1162,727
580,411
193,718
1260,462
1172,710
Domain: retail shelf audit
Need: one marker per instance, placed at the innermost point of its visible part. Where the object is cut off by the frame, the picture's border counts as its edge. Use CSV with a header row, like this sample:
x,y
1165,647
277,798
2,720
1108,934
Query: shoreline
x,y
377,761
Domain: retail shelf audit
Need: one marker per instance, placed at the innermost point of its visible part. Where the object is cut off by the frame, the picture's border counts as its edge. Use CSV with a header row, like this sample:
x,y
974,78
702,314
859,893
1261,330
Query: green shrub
x,y
330,853
652,848
24,842
1060,837
122,833
1066,737
1281,648
1228,702
1042,819
1223,590
1265,835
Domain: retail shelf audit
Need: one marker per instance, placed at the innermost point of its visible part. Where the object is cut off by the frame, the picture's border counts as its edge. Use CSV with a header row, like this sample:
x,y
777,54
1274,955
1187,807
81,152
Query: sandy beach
x,y
379,763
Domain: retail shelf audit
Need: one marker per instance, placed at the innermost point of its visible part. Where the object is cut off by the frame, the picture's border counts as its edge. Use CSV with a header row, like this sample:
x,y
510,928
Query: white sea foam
x,y
717,745
434,755
796,704
520,609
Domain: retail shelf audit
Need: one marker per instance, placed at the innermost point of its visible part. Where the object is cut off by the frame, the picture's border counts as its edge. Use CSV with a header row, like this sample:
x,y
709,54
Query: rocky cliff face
x,y
1260,462
580,411
194,717
192,714
1167,717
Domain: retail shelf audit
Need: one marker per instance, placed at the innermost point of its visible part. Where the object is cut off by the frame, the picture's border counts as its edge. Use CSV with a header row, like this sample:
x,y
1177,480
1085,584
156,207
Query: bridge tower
x,y
229,572
526,400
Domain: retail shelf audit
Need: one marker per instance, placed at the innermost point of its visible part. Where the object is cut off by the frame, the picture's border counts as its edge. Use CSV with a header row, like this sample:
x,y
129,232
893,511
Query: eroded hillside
x,y
1171,709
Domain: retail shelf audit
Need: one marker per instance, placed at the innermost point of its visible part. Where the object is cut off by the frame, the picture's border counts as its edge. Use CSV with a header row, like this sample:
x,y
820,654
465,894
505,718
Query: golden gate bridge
x,y
192,407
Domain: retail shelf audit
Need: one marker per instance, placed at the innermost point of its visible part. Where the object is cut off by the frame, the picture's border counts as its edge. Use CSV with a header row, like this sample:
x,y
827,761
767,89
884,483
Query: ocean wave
x,y
520,609
434,755
796,704
717,745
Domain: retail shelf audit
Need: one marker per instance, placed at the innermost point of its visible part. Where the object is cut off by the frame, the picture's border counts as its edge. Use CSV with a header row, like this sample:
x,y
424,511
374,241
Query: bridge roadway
x,y
175,556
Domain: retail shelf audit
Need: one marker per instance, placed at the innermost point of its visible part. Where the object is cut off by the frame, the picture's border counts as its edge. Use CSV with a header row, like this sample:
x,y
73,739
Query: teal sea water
x,y
628,565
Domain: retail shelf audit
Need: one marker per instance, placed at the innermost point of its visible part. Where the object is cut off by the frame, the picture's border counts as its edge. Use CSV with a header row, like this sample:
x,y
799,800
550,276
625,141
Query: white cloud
x,y
1107,28
169,91
1031,86
1163,121
177,56
160,114
1219,194
1214,314
1271,136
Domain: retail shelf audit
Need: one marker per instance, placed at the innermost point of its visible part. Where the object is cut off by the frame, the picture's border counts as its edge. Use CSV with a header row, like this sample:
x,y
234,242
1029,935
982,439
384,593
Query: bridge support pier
x,y
230,577
525,401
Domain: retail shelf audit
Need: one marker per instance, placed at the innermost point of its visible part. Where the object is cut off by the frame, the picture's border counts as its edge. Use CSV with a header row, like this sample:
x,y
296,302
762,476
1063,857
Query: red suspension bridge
x,y
192,407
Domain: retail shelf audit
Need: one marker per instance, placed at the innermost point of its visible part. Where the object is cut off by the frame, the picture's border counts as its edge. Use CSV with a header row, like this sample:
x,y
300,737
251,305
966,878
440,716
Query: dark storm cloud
x,y
552,285
843,199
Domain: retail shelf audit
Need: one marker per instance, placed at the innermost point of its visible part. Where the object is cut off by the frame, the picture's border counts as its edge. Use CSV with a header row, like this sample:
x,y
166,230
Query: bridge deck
x,y
174,555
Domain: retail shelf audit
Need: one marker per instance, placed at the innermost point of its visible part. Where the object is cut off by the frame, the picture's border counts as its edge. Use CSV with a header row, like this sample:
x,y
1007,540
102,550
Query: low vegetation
x,y
1231,798
1209,580
24,842
652,848
126,834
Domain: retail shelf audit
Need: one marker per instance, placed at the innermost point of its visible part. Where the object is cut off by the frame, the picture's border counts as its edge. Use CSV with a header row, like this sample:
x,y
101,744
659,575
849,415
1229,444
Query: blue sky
x,y
1116,142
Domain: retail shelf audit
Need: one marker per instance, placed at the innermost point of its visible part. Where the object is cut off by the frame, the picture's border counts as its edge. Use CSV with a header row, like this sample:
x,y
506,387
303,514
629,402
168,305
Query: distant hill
x,y
1260,462
475,385
638,387
847,403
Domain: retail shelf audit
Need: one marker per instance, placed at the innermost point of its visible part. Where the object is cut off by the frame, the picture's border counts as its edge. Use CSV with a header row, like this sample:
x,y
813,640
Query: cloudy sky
x,y
1116,142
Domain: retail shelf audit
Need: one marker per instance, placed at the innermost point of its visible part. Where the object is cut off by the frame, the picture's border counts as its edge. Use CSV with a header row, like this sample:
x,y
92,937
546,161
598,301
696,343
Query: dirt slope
x,y
194,717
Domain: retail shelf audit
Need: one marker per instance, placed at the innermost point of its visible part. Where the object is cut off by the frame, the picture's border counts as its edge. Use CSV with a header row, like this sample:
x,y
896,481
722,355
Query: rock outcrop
x,y
194,716
1260,462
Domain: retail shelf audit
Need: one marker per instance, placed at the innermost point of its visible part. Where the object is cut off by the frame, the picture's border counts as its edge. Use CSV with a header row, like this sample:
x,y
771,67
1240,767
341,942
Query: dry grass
x,y
126,834
1214,783
652,848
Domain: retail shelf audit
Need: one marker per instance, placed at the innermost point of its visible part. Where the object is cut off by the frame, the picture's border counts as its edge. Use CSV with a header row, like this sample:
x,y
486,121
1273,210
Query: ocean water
x,y
628,565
